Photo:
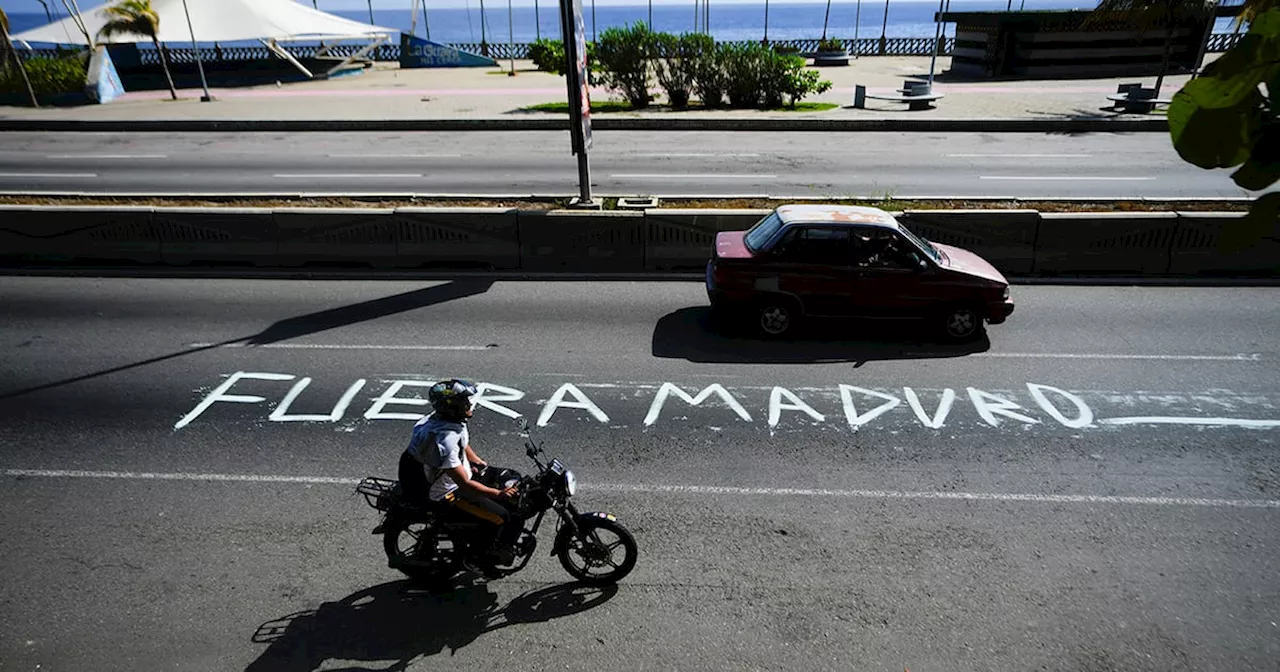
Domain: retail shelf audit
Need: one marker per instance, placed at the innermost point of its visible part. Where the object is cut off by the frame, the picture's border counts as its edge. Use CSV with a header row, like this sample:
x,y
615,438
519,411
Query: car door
x,y
813,264
889,278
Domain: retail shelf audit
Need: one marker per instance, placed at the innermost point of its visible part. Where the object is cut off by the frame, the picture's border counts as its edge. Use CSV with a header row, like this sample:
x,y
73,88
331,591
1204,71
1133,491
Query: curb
x,y
599,124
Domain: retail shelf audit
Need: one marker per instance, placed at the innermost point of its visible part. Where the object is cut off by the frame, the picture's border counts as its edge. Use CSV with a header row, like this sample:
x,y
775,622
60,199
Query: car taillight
x,y
717,273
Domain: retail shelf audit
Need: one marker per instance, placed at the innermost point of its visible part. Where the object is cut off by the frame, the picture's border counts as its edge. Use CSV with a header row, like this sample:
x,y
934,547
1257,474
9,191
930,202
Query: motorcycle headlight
x,y
570,483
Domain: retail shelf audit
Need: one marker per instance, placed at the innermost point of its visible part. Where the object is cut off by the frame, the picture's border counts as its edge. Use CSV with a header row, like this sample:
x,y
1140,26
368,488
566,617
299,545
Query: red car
x,y
805,261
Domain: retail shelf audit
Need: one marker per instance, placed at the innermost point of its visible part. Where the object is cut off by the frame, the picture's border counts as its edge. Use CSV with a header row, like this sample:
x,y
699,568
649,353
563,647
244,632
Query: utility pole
x,y
204,83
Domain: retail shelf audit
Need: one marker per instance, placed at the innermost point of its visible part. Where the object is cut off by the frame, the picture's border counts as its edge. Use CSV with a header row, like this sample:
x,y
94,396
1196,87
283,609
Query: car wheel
x,y
962,323
776,318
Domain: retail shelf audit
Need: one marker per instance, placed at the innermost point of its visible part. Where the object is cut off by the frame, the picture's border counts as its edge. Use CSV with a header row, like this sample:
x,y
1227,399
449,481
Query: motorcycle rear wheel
x,y
594,550
410,547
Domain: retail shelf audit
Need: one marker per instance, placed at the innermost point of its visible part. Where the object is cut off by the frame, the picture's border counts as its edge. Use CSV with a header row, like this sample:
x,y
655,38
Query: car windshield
x,y
921,242
760,234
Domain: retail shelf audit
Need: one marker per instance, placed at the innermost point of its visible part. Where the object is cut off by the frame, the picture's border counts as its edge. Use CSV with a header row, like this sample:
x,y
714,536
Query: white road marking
x,y
51,175
107,156
1211,422
394,156
690,489
1004,355
1070,355
342,176
694,155
1064,177
688,176
327,346
1019,156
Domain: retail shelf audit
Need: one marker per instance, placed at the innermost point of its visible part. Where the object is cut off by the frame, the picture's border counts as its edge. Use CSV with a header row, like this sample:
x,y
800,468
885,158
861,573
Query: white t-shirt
x,y
440,445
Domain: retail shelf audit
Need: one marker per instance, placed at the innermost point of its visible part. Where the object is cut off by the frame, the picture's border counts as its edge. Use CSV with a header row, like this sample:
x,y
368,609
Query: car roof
x,y
836,214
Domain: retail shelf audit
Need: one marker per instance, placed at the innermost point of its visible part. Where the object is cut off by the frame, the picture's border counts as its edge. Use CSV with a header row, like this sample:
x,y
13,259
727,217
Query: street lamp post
x,y
937,35
199,61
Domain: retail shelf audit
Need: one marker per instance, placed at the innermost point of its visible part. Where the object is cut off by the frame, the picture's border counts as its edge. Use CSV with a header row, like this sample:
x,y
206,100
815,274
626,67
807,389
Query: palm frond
x,y
131,17
4,21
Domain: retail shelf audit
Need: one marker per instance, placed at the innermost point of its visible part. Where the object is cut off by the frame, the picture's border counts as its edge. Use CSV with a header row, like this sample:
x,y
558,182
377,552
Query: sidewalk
x,y
386,93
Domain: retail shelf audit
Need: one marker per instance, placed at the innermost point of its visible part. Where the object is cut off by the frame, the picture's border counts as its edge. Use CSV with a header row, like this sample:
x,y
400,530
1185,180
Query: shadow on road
x,y
304,325
691,334
395,624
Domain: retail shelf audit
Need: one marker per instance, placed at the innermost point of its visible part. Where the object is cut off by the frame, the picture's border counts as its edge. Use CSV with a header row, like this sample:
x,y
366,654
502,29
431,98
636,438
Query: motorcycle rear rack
x,y
379,493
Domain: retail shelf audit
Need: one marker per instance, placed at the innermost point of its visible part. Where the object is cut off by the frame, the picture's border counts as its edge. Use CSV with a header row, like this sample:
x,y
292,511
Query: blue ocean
x,y
728,22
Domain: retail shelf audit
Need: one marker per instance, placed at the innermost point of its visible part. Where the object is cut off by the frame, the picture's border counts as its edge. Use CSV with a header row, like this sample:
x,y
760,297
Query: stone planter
x,y
829,58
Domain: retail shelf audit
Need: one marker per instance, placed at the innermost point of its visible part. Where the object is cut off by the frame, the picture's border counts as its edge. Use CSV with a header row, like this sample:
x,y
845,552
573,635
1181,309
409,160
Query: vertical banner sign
x,y
577,77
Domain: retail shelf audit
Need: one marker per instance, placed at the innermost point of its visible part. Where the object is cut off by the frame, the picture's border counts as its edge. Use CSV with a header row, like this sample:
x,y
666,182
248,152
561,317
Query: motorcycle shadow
x,y
395,624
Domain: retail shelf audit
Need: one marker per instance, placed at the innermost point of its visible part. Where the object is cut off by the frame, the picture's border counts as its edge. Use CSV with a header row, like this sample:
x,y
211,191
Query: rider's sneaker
x,y
480,567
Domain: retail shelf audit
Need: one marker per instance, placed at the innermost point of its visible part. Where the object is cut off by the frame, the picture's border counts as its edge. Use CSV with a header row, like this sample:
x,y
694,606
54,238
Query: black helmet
x,y
451,399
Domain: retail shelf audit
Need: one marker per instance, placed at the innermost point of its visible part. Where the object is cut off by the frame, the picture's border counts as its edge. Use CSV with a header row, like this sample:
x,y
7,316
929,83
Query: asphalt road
x,y
1095,488
622,163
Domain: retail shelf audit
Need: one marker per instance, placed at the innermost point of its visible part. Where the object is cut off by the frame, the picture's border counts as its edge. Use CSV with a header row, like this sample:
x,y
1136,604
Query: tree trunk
x,y
164,63
22,68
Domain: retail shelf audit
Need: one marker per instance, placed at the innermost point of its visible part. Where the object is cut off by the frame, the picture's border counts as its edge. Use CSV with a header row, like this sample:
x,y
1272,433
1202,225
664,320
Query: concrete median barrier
x,y
217,235
331,236
582,241
682,240
1130,243
484,238
79,233
1205,244
1020,243
1006,238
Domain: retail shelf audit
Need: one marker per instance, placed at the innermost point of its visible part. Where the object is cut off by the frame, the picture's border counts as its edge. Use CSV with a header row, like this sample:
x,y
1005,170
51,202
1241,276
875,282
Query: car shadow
x,y
397,624
692,334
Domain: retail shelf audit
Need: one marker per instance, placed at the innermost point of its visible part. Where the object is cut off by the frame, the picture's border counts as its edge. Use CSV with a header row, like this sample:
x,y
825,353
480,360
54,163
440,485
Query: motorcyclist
x,y
440,465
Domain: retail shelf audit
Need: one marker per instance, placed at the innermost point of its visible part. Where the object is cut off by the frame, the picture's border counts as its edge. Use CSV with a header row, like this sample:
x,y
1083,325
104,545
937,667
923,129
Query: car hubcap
x,y
774,319
961,323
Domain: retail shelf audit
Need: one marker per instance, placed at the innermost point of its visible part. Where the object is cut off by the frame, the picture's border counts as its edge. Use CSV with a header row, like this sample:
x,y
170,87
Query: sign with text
x,y
103,83
416,52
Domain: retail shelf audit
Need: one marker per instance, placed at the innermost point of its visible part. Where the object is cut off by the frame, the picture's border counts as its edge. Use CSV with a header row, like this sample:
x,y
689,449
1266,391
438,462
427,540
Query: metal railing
x,y
866,46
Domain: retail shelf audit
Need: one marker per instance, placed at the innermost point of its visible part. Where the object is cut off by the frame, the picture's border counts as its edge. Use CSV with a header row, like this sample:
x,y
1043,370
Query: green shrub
x,y
744,67
831,44
786,48
548,55
709,77
625,55
676,64
786,77
49,76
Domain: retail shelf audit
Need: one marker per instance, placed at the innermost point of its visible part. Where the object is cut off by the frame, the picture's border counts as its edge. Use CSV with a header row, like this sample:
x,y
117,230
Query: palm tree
x,y
1146,14
13,53
137,17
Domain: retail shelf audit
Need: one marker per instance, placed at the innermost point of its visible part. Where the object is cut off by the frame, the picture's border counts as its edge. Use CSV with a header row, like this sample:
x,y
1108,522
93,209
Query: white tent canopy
x,y
218,21
266,21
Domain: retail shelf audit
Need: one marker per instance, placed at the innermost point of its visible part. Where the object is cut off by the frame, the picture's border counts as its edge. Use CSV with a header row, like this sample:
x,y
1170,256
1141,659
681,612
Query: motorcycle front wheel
x,y
602,553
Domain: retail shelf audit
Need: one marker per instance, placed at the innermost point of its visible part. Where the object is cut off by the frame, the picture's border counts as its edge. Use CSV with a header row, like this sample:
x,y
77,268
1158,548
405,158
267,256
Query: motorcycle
x,y
429,541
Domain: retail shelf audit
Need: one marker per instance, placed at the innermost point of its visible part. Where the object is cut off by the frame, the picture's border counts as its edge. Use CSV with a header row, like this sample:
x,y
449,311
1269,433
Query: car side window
x,y
881,249
825,246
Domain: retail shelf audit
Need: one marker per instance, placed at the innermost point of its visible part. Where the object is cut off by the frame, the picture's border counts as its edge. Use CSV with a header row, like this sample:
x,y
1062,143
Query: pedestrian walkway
x,y
386,92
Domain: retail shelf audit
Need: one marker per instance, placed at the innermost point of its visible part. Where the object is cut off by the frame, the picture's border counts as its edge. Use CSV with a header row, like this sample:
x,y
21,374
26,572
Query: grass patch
x,y
806,107
622,106
563,108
